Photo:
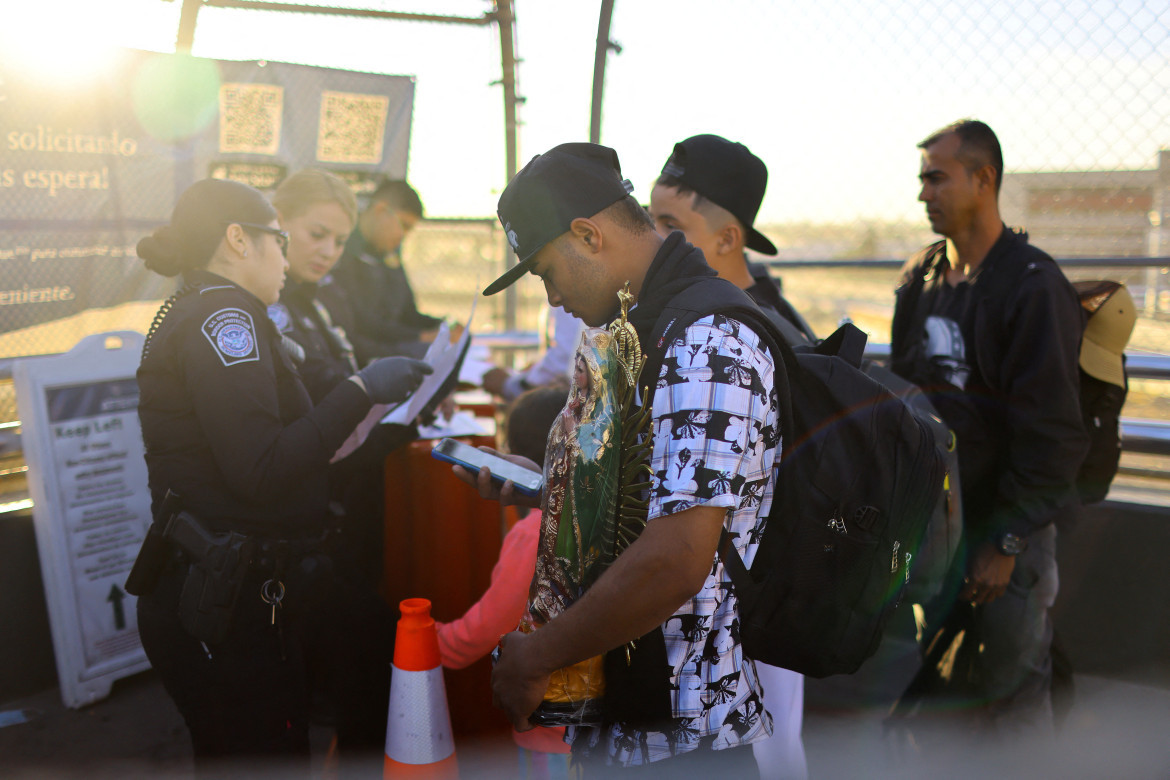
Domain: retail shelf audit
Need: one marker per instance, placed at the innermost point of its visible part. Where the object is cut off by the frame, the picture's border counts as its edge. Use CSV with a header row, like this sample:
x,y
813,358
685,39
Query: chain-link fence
x,y
90,167
833,97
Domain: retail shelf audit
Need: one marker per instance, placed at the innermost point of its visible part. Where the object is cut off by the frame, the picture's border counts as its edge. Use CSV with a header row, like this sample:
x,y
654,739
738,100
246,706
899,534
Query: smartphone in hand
x,y
527,481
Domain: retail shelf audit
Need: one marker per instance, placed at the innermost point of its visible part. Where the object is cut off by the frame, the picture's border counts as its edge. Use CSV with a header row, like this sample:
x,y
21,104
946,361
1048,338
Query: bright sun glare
x,y
59,44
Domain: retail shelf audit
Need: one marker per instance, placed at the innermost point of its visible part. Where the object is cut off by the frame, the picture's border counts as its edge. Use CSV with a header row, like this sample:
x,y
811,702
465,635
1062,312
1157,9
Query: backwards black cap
x,y
554,188
727,174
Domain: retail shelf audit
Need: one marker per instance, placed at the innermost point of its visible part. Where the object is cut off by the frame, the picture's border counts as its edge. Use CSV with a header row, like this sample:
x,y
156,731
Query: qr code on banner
x,y
352,127
249,118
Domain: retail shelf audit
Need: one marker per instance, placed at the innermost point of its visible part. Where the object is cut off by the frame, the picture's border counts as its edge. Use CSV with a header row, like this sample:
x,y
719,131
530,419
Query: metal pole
x,y
300,8
187,17
506,20
603,47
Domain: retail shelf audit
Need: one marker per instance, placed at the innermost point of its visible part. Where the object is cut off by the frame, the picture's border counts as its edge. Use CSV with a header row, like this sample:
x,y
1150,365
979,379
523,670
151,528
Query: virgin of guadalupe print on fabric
x,y
581,483
593,505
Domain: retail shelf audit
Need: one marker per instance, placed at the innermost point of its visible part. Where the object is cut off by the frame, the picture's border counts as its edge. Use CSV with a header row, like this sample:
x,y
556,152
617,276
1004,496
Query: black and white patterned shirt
x,y
716,434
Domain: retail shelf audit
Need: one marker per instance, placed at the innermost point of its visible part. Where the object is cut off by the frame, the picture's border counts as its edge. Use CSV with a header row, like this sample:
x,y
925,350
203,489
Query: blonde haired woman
x,y
318,211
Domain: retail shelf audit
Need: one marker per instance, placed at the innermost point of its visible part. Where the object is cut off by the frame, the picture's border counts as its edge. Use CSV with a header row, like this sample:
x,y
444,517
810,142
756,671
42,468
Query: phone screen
x,y
474,459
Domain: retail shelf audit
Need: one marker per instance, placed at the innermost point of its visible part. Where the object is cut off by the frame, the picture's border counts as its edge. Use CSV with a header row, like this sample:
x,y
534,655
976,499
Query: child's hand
x,y
494,491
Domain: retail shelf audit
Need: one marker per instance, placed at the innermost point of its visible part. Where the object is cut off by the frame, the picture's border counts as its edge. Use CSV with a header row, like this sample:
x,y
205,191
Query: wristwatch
x,y
1010,544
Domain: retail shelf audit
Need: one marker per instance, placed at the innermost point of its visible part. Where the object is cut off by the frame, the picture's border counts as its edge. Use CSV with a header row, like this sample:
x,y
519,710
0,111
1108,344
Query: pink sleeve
x,y
464,641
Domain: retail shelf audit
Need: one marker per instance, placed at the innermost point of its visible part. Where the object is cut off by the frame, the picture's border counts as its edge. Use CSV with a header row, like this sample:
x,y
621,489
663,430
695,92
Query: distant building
x,y
1093,213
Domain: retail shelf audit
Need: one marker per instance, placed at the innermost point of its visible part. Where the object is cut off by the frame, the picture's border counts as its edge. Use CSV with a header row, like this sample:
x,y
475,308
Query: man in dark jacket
x,y
990,328
381,318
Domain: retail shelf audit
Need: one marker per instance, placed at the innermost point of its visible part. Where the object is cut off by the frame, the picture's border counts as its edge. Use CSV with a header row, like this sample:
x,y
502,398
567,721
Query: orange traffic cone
x,y
418,726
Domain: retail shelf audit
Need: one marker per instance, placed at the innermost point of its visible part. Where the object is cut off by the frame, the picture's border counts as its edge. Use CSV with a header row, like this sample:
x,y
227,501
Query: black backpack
x,y
1100,402
856,485
933,573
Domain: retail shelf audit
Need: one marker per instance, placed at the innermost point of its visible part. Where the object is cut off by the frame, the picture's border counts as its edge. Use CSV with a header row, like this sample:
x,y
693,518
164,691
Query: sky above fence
x,y
832,96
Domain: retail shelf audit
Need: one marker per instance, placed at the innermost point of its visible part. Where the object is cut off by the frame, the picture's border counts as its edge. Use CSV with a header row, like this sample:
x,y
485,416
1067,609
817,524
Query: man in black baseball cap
x,y
570,218
541,202
711,189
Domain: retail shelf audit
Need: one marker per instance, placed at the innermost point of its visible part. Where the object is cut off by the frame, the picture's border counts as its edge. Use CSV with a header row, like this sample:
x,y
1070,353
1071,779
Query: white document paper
x,y
445,357
372,418
462,423
476,363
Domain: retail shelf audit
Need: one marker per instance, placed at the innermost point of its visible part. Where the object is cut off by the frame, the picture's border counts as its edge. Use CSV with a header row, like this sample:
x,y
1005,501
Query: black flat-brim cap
x,y
727,174
542,200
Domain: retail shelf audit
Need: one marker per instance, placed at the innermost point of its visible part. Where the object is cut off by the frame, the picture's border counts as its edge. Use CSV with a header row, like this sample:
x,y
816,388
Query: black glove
x,y
392,379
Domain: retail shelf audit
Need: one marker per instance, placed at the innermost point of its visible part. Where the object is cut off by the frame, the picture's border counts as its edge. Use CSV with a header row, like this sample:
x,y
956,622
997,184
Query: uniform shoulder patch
x,y
280,317
233,336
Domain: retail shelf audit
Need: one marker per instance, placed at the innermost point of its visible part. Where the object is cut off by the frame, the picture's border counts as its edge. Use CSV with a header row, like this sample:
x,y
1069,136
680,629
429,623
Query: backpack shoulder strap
x,y
706,297
920,265
846,342
909,314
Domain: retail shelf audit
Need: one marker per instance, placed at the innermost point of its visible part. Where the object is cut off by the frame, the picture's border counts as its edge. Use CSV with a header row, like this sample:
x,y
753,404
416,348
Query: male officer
x,y
369,292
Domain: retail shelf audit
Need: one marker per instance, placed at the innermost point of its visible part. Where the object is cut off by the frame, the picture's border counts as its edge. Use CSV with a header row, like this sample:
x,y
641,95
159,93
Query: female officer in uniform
x,y
319,211
229,427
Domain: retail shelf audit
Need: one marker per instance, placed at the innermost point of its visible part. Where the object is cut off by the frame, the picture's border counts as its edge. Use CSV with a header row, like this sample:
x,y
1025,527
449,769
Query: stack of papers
x,y
445,357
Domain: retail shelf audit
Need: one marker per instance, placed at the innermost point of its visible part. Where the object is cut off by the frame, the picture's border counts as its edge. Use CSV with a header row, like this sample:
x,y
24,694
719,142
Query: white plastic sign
x,y
91,507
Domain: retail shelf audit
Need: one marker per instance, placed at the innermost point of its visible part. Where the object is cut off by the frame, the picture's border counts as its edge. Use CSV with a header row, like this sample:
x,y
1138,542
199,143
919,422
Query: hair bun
x,y
197,225
161,253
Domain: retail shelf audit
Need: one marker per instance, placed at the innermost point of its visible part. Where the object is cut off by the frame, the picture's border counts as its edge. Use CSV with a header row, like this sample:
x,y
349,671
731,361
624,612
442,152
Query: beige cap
x,y
1112,316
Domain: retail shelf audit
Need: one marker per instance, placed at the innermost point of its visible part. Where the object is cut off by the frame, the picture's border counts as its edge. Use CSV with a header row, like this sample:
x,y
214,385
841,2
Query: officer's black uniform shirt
x,y
228,424
326,357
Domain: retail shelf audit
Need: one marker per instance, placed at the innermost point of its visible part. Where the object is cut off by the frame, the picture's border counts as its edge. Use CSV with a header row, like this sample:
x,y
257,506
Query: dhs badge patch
x,y
280,317
232,335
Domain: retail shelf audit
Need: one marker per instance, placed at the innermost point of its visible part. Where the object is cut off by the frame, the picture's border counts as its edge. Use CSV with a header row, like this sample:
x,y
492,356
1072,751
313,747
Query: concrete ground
x,y
135,732
1115,730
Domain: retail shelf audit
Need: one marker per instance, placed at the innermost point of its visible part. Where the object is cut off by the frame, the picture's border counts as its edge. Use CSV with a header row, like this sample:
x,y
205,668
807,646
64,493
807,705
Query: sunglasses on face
x,y
281,236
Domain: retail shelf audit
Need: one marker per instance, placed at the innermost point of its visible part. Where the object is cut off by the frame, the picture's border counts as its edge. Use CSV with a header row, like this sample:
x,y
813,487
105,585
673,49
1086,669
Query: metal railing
x,y
1146,437
1149,439
886,263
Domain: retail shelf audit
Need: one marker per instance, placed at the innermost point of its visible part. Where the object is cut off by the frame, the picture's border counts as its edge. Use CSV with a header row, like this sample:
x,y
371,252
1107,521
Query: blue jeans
x,y
1016,630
